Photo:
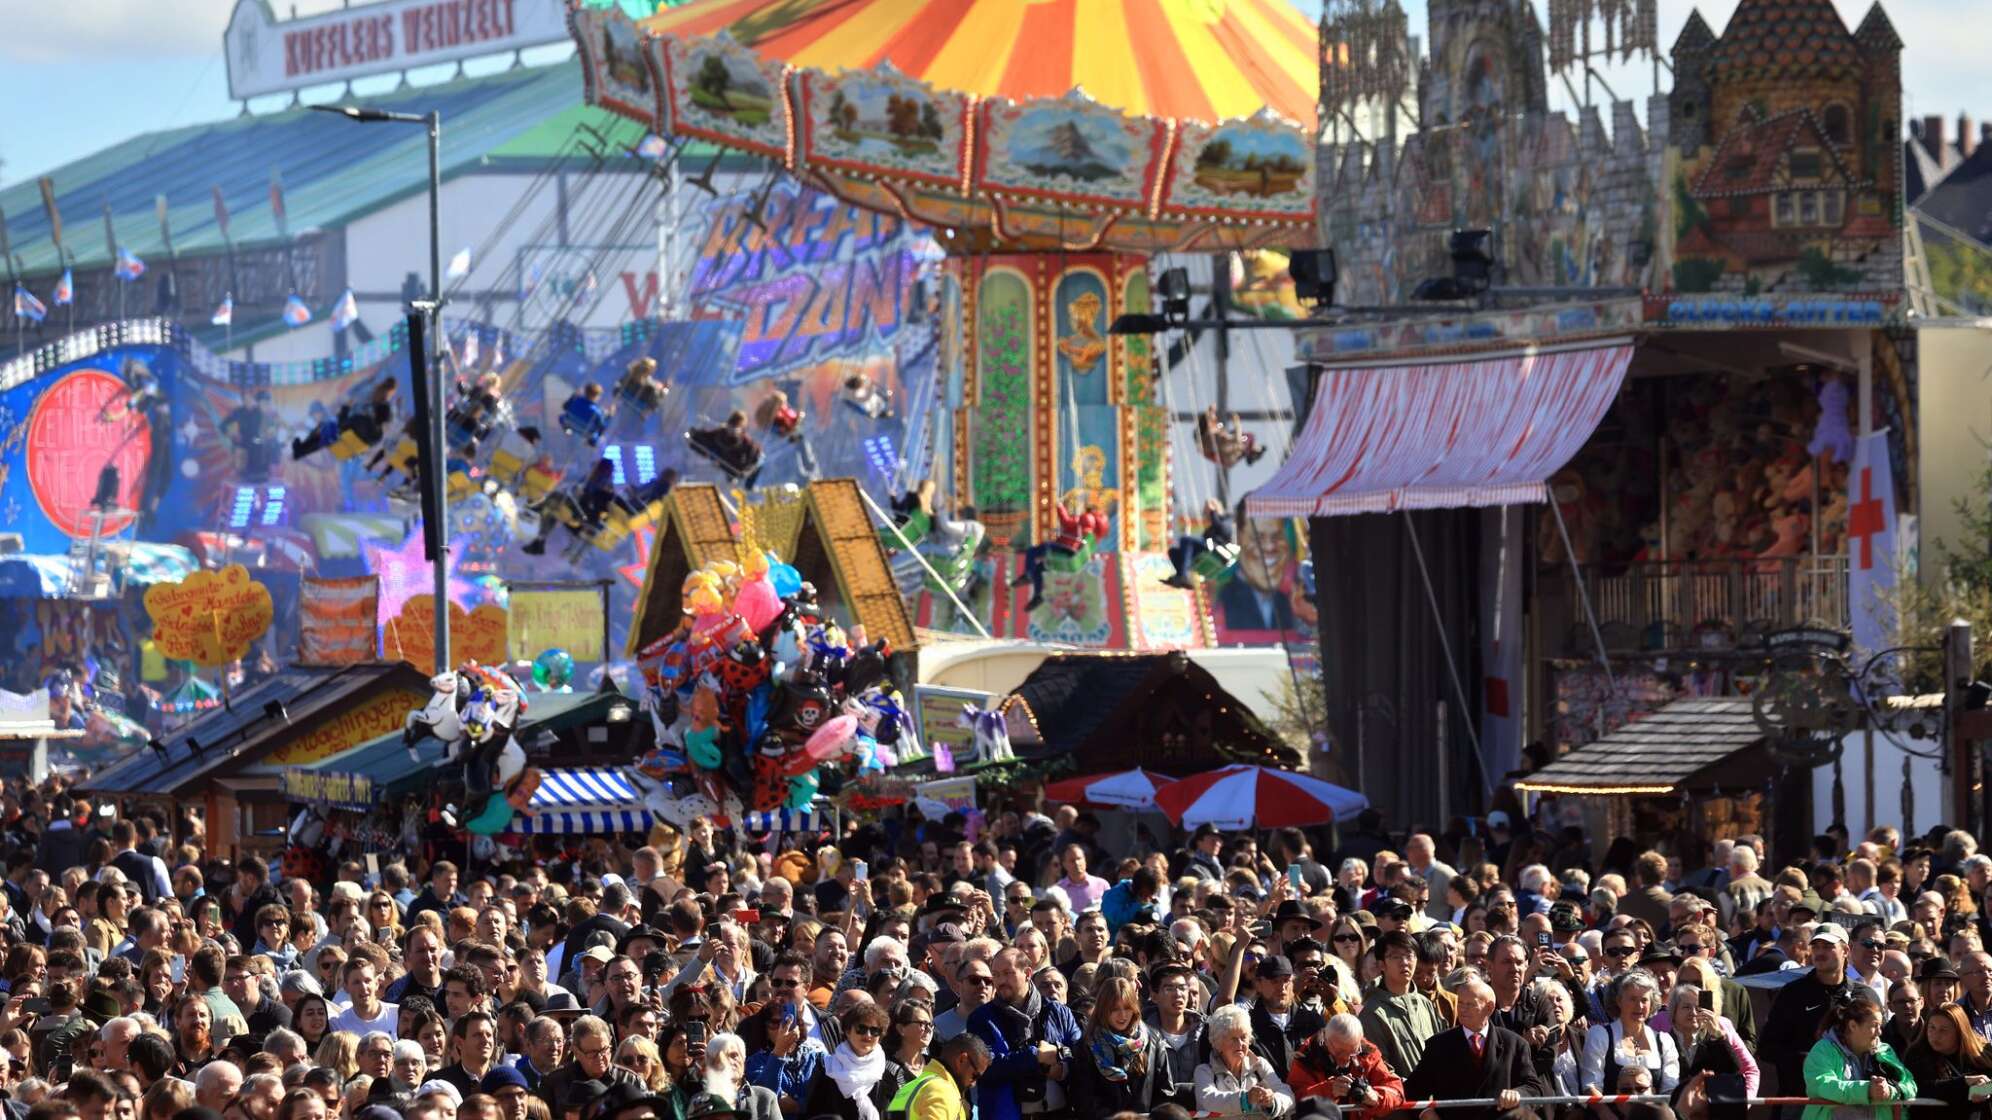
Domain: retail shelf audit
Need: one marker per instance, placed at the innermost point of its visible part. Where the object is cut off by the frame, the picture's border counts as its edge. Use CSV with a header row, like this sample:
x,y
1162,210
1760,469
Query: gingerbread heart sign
x,y
209,618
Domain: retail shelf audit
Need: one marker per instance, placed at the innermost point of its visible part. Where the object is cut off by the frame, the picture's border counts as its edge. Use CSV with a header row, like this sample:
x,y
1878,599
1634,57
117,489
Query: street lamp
x,y
439,480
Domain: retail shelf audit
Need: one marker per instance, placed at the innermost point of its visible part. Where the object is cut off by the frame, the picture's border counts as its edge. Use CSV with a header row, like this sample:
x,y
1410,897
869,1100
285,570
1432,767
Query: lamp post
x,y
439,451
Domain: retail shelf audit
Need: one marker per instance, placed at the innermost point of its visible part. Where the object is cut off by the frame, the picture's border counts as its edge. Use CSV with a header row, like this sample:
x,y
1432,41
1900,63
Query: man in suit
x,y
1475,1059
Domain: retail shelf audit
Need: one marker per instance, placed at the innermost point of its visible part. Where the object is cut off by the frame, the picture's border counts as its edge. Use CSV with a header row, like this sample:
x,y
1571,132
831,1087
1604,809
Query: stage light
x,y
1138,323
1172,288
274,709
1314,276
1473,265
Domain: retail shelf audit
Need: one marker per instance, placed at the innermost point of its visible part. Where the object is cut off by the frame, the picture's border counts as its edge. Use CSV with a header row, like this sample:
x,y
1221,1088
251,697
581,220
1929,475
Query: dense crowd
x,y
903,969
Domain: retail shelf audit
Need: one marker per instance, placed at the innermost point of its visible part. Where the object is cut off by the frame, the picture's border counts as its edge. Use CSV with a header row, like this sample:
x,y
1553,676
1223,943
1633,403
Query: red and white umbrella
x,y
1126,789
1242,797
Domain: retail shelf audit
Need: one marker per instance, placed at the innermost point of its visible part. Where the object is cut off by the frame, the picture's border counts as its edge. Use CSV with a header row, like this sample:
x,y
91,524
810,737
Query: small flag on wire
x,y
295,311
65,290
498,350
129,266
224,314
470,348
459,265
346,312
588,283
27,306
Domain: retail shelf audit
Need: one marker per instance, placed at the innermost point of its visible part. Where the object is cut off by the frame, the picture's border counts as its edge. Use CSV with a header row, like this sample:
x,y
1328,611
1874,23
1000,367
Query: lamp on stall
x,y
1472,268
1314,275
1173,290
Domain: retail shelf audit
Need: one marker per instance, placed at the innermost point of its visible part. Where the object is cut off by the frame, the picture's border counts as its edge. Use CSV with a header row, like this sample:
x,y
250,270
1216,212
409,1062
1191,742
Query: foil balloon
x,y
831,740
553,669
787,580
758,604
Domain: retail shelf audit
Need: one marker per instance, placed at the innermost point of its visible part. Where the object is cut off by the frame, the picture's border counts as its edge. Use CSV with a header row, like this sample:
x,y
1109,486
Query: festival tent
x,y
1242,797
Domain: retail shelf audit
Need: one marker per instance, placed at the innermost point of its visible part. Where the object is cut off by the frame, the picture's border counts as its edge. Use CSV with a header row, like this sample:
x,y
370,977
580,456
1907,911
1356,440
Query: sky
x,y
86,74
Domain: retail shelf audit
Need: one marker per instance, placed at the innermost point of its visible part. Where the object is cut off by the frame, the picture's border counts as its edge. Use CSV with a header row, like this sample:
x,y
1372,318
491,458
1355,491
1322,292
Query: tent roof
x,y
1078,701
1679,746
1204,60
333,170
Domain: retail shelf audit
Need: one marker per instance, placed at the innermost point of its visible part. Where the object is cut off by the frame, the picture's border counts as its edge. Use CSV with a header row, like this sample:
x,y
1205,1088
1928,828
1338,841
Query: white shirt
x,y
388,1020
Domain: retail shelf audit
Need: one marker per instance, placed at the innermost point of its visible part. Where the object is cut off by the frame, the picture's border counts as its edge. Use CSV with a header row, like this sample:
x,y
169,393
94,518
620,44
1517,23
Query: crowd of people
x,y
904,969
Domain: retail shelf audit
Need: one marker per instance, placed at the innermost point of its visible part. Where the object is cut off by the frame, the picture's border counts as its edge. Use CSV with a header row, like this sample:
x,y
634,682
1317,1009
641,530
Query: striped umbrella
x,y
1241,797
1203,60
1125,789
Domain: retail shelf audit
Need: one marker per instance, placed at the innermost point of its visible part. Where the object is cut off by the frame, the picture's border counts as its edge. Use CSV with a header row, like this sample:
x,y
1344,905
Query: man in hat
x,y
1280,1022
1800,1006
1290,922
1205,844
507,1086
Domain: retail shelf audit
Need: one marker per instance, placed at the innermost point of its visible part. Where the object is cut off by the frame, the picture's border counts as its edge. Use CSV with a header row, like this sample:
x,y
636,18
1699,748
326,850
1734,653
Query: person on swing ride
x,y
1226,444
641,384
729,446
367,421
583,414
1075,532
590,501
776,414
1219,531
865,395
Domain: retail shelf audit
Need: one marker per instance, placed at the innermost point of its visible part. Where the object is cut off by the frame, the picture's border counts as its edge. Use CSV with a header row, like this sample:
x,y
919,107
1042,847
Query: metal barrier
x,y
1648,1098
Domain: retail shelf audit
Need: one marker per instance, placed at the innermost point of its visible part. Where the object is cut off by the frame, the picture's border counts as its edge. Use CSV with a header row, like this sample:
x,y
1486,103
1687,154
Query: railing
x,y
1655,1098
1691,605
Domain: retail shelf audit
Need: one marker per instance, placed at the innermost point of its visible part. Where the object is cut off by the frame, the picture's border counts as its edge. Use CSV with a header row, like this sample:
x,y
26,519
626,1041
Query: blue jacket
x,y
1119,907
1013,1062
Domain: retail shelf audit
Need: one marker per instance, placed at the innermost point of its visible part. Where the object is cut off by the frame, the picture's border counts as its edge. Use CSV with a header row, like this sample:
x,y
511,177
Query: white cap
x,y
1829,931
439,1086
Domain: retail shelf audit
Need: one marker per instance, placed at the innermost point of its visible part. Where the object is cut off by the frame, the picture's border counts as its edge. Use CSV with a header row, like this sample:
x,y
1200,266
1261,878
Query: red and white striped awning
x,y
1484,431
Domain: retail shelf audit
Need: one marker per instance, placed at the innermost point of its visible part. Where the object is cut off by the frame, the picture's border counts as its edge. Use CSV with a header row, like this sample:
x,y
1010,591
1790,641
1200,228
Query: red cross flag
x,y
1871,553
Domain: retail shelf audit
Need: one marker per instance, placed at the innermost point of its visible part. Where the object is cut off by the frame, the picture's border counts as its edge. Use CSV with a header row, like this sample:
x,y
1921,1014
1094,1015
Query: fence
x,y
1691,605
1652,1098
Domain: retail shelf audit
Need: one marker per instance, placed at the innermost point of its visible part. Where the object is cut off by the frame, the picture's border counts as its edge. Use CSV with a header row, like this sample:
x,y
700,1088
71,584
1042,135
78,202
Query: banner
x,y
556,618
937,711
332,788
477,635
336,620
352,725
1872,559
209,618
948,795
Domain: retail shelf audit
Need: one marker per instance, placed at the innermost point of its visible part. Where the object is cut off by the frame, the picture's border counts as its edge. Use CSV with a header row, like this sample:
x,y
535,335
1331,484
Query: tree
x,y
1217,153
713,79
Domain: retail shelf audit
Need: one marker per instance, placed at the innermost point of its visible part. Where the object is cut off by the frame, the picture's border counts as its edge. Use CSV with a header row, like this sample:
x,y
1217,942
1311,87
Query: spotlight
x,y
1314,275
1137,323
158,747
1173,289
194,745
274,709
1473,266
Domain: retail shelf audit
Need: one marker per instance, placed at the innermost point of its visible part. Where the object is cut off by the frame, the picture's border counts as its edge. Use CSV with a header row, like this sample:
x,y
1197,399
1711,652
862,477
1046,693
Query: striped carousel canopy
x,y
584,800
1204,60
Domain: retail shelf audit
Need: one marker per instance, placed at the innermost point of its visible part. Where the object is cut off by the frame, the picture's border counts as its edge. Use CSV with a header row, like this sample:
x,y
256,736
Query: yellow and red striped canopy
x,y
1203,60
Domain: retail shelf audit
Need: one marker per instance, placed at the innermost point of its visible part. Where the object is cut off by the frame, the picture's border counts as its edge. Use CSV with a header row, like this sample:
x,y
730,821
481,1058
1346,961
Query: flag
x,y
221,212
498,350
277,211
295,312
1871,548
65,290
224,313
26,306
470,348
459,265
54,213
129,267
346,312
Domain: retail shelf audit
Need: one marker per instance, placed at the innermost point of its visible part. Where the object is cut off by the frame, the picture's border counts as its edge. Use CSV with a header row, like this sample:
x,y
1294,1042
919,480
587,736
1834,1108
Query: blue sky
x,y
85,74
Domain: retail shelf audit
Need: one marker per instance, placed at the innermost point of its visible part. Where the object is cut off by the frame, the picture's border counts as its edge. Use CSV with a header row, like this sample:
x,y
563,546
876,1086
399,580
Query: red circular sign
x,y
71,437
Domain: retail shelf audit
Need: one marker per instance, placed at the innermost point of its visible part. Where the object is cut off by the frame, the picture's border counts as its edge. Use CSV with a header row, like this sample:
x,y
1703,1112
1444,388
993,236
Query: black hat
x,y
1274,966
582,1095
1935,968
652,933
1660,953
1395,908
942,903
1292,911
100,1007
629,1094
1203,832
1566,917
708,1106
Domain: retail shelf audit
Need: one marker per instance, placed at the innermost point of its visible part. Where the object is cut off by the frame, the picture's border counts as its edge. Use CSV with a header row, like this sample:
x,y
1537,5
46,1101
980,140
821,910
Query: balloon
x,y
553,669
831,739
702,744
785,577
495,817
758,603
801,790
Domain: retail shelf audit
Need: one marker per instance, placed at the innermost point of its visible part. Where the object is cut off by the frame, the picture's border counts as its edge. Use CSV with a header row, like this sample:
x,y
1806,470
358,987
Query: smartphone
x,y
1542,939
747,917
860,870
788,1013
695,1033
1293,875
1707,999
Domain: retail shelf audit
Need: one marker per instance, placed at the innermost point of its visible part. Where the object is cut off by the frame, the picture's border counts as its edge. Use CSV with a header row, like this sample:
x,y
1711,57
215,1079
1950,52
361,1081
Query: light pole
x,y
438,448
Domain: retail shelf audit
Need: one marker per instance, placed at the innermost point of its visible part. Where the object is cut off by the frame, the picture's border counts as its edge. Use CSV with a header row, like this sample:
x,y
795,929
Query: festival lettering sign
x,y
948,795
477,635
209,618
327,787
348,728
265,56
564,618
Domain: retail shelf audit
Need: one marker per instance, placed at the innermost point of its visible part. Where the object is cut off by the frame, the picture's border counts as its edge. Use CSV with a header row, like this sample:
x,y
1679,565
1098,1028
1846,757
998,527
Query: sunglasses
x,y
1348,937
866,1030
1875,945
1621,951
919,1024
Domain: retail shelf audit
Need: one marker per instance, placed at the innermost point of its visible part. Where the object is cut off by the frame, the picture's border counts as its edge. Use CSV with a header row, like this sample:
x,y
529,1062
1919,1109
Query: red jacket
x,y
1309,1076
1073,530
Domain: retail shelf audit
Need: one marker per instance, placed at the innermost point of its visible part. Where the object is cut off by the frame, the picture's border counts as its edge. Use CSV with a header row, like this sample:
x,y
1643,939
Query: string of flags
x,y
129,266
224,313
65,290
26,306
296,313
346,312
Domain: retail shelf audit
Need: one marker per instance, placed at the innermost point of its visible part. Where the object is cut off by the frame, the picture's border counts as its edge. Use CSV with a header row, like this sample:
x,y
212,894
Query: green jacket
x,y
1400,1026
1831,1075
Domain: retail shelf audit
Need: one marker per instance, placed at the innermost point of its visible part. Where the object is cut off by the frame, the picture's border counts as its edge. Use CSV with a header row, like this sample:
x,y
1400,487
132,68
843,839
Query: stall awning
x,y
1481,431
783,820
584,800
1687,744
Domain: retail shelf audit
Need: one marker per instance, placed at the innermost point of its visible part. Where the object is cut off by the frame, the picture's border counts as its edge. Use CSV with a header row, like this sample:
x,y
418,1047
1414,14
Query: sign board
x,y
209,618
349,728
477,635
556,618
937,709
948,795
336,620
327,787
265,56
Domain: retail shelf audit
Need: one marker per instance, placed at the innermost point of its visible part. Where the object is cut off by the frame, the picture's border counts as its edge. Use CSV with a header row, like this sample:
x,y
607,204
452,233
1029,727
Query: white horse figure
x,y
992,732
440,717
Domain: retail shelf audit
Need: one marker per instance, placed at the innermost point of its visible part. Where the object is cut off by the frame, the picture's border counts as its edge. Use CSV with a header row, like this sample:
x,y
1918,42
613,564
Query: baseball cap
x,y
598,953
1827,931
1274,966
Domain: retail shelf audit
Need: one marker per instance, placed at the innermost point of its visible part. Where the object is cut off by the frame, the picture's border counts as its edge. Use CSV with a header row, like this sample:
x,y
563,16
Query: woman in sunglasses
x,y
906,1044
848,1084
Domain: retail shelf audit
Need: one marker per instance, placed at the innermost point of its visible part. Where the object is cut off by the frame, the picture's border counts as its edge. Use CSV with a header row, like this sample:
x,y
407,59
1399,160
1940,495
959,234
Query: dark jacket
x,y
1448,1071
553,1087
1277,1044
1014,1075
1941,1077
1792,1027
1093,1095
1183,1060
825,1099
244,928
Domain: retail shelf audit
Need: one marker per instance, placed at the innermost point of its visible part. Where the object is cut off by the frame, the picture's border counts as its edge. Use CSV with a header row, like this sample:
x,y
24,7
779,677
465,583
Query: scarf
x,y
855,1076
1017,1023
1118,1055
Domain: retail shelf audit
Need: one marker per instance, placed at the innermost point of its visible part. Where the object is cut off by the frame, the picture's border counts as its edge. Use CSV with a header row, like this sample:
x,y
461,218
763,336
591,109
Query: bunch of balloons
x,y
759,701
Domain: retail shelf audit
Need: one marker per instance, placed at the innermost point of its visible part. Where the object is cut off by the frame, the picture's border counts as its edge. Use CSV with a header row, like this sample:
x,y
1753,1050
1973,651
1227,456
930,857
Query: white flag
x,y
459,264
1871,555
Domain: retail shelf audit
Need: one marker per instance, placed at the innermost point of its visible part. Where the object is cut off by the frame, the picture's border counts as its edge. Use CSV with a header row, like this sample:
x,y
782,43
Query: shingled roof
x,y
1689,744
1785,40
1115,711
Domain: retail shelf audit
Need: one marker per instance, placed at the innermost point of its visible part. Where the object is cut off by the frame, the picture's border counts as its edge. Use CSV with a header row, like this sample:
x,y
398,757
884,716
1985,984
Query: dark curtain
x,y
1383,663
